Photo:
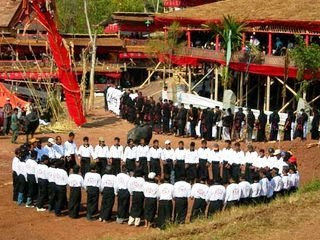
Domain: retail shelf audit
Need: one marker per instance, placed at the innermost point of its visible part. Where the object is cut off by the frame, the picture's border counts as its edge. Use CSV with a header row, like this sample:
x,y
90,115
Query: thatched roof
x,y
8,10
250,11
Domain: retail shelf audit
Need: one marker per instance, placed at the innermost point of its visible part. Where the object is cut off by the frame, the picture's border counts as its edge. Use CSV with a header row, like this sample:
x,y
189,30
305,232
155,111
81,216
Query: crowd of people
x,y
149,182
215,124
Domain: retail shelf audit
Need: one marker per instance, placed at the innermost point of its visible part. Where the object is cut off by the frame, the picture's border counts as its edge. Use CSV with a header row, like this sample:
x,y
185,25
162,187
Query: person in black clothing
x,y
301,120
157,118
274,120
182,120
238,121
146,110
209,124
261,126
288,126
227,121
166,114
131,111
139,105
250,124
203,127
174,117
216,120
315,125
193,119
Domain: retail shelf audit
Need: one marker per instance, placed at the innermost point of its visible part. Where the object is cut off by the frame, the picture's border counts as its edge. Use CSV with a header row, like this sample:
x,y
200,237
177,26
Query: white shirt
x,y
286,182
294,180
59,150
168,154
75,180
233,192
116,152
245,188
86,152
270,190
150,190
204,153
14,165
180,154
41,172
60,177
108,181
265,187
238,157
50,174
165,191
215,156
182,189
199,190
271,162
50,151
216,192
101,152
130,153
255,190
250,157
260,162
22,169
40,152
154,153
277,183
31,166
227,155
142,151
192,157
122,181
70,148
280,164
135,184
92,180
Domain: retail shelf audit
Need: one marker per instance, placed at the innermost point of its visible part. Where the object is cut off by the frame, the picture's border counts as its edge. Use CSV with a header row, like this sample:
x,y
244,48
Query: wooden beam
x,y
286,105
289,88
149,77
201,80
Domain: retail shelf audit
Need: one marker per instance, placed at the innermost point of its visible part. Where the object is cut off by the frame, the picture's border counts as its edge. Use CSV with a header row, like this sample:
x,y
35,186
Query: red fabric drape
x,y
62,59
14,100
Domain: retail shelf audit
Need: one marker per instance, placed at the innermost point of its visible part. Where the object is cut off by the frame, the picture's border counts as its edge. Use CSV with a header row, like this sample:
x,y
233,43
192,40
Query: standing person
x,y
182,120
250,124
50,150
209,123
255,190
165,196
227,125
70,151
179,164
101,153
227,155
192,119
7,111
85,154
168,157
51,185
59,148
181,193
22,180
166,115
261,127
203,153
150,191
192,163
265,186
276,183
199,193
250,157
122,181
92,184
236,162
108,189
75,182
218,121
130,156
233,193
15,172
239,120
288,126
154,156
31,166
116,155
42,180
40,150
61,181
215,160
315,125
135,187
245,188
14,126
142,156
164,94
274,120
215,196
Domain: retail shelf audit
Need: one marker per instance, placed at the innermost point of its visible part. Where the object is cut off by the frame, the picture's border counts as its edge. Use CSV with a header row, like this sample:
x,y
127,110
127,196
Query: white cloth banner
x,y
113,99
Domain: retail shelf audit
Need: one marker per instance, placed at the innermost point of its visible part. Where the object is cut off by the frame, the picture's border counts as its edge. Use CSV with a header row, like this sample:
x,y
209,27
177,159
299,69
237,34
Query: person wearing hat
x,y
108,190
142,156
150,192
61,181
92,184
130,156
101,153
31,165
15,172
199,193
192,163
168,157
215,160
135,187
154,156
7,111
165,196
179,164
70,151
59,149
85,154
181,193
215,197
75,182
14,126
49,150
41,175
203,153
116,155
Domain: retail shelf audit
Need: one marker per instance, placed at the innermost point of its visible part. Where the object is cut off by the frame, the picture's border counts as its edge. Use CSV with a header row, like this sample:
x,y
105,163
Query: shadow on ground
x,y
100,122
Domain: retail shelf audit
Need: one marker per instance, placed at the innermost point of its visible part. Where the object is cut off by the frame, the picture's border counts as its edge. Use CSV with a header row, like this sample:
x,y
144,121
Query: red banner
x,y
6,94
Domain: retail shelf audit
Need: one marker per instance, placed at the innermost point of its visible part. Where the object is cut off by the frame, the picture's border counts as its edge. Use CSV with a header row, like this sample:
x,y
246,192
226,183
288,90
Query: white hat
x,y
167,142
151,175
51,140
277,152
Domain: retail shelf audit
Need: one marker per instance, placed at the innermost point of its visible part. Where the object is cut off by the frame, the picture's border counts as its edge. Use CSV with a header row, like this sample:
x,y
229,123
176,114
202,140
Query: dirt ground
x,y
22,223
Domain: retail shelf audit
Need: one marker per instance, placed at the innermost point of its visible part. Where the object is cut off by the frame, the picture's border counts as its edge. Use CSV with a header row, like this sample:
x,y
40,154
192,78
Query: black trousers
x,y
168,167
164,213
84,165
116,163
42,192
231,204
107,203
92,201
123,203
137,204
225,173
144,164
101,165
249,172
131,165
61,192
214,207
150,209
51,195
180,210
22,183
244,201
235,172
193,129
69,164
15,186
74,202
255,201
155,166
32,187
198,208
180,169
165,123
191,172
203,169
181,128
273,135
216,171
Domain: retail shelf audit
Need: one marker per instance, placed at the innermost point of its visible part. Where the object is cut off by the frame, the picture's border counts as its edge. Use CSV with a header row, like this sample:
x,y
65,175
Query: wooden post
x,y
269,43
307,39
216,84
149,78
268,93
211,86
189,78
241,89
217,43
189,38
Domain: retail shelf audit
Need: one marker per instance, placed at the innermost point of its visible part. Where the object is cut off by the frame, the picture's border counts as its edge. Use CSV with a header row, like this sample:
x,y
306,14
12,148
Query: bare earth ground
x,y
21,223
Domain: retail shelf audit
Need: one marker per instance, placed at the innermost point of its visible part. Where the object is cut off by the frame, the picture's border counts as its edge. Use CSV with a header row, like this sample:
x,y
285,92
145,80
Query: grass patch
x,y
312,186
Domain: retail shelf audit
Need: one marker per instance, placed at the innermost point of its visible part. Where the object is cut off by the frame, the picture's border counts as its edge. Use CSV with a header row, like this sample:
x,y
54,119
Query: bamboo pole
x,y
241,89
216,85
189,79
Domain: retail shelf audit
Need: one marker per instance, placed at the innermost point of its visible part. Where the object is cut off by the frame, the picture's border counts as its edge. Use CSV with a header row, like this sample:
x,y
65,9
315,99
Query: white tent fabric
x,y
113,99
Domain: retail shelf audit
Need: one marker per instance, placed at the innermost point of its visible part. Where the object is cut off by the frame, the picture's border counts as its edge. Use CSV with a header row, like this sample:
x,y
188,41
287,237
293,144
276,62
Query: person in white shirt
x,y
286,181
59,148
15,162
168,157
276,183
192,163
199,193
42,180
261,160
150,191
181,193
49,149
75,182
51,184
294,179
31,165
245,188
108,190
215,159
61,181
227,156
70,152
22,180
116,156
250,156
255,189
135,187
215,197
130,156
265,186
238,157
101,153
165,196
142,156
92,184
154,156
122,181
39,149
85,154
179,164
204,154
233,193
